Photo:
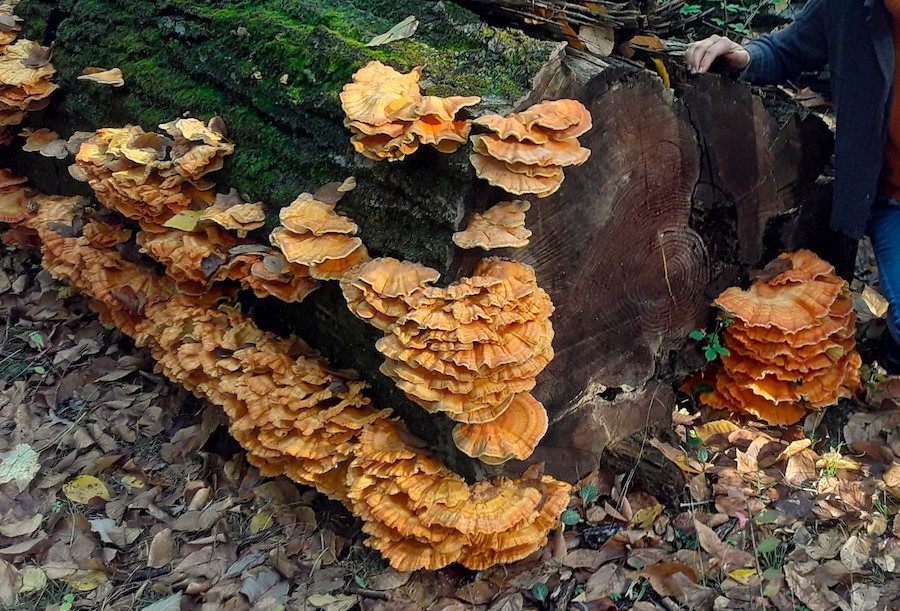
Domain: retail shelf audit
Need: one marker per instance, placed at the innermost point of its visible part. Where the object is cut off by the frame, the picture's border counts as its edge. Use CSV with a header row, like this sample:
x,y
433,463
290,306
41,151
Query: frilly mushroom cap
x,y
241,217
802,266
500,174
14,202
14,72
378,92
392,148
442,109
389,277
308,249
307,215
789,307
562,118
501,226
551,153
334,269
514,434
511,127
446,136
491,507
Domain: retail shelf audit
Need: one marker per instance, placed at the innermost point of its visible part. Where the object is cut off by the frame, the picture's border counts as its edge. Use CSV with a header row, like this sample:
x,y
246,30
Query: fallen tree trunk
x,y
685,188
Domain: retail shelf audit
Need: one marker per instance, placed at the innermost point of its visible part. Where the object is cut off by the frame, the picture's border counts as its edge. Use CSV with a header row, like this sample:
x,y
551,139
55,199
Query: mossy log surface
x,y
686,188
229,58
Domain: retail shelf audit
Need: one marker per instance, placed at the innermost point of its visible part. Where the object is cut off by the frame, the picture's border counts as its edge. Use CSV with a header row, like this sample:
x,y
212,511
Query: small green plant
x,y
540,592
713,347
570,517
770,554
68,602
728,17
588,493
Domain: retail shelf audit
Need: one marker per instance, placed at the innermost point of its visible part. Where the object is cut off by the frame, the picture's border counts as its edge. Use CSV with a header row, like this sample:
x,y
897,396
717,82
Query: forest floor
x,y
120,491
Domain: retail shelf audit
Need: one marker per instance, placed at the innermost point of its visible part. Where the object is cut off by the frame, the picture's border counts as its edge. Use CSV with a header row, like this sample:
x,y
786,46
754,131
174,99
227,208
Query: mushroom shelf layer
x,y
298,417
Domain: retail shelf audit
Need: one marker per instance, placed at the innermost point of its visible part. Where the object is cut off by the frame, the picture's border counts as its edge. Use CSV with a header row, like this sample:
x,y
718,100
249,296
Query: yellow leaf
x,y
260,522
643,518
86,580
661,68
131,482
33,579
742,576
648,41
85,487
795,447
232,470
185,221
716,427
677,456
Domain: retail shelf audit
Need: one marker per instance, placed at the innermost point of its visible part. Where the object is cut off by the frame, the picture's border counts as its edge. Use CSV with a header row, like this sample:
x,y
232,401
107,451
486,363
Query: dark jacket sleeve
x,y
783,55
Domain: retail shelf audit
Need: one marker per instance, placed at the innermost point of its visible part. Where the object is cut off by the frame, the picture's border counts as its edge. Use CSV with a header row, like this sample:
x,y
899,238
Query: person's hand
x,y
701,54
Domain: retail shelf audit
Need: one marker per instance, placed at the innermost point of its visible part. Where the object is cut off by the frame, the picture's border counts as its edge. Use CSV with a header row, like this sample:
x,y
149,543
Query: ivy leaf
x,y
589,493
570,518
540,591
710,353
697,335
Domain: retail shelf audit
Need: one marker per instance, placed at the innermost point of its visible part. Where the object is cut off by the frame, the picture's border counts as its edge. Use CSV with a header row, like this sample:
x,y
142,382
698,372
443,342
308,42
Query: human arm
x,y
773,58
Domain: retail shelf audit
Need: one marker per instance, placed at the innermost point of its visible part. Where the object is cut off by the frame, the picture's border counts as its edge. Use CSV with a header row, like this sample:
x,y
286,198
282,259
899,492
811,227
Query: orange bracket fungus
x,y
151,177
466,350
233,213
389,117
792,345
299,417
527,151
501,226
25,86
513,434
13,197
314,235
377,290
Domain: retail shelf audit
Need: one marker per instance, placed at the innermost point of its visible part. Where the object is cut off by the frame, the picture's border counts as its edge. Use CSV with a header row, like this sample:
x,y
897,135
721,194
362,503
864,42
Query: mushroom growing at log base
x,y
791,344
526,151
299,417
467,349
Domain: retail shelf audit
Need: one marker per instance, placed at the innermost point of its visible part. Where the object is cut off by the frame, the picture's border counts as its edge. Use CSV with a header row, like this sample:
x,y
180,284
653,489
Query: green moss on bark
x,y
229,58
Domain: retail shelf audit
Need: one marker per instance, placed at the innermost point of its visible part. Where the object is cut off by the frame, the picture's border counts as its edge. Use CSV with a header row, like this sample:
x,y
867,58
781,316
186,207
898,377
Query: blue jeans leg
x,y
884,230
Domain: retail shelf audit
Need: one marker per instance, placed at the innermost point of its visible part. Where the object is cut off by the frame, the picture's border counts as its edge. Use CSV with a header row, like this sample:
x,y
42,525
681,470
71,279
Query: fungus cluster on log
x,y
527,151
151,177
791,344
297,416
314,235
25,80
500,226
389,117
467,350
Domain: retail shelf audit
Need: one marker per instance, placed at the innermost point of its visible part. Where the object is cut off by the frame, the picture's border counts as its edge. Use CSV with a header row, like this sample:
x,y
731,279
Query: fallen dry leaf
x,y
84,488
112,77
